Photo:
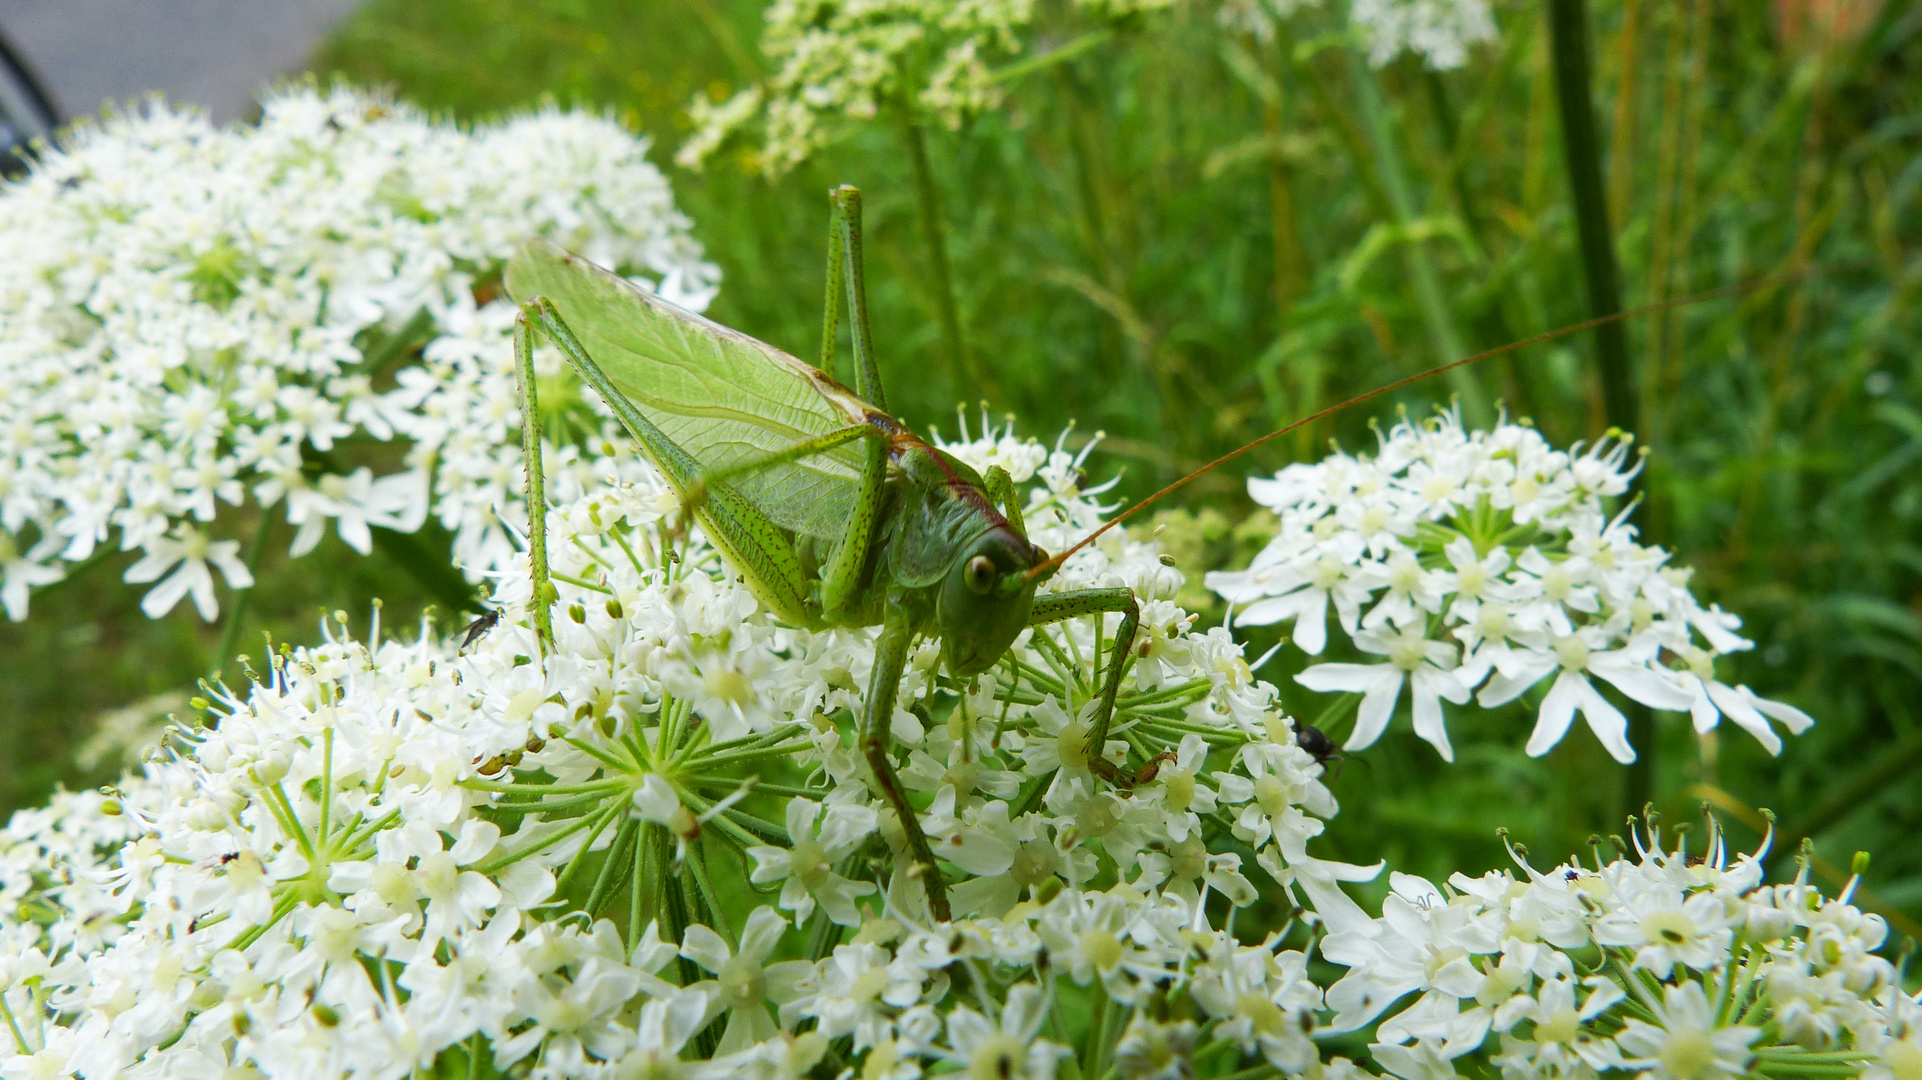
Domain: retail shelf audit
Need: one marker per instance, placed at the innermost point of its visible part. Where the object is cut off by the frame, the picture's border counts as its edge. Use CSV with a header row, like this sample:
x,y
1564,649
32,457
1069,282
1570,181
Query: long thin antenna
x,y
1054,563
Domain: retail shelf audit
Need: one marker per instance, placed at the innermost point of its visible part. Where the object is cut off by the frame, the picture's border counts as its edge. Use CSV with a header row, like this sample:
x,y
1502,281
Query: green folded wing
x,y
720,395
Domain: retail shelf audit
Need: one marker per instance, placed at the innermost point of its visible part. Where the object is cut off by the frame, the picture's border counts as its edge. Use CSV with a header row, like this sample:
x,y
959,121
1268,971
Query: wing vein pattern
x,y
720,395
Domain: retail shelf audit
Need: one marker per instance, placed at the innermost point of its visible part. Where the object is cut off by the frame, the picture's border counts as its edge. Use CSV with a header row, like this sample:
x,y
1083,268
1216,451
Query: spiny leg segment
x,y
544,593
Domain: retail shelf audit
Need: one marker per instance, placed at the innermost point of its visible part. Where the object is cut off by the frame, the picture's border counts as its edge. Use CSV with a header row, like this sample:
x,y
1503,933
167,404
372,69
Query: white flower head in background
x,y
1439,31
842,61
191,316
1489,560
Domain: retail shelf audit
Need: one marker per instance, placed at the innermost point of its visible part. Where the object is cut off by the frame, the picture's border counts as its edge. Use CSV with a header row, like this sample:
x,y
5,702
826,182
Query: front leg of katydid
x,y
1001,491
1054,607
544,595
877,723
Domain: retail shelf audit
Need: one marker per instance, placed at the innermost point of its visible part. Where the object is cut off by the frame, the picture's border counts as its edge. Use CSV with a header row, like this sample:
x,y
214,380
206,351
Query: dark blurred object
x,y
26,109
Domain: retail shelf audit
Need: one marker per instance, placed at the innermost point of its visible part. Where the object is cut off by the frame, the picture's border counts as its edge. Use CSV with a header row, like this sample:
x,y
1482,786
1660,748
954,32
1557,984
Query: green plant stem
x,y
1393,174
962,375
230,633
1568,42
1291,262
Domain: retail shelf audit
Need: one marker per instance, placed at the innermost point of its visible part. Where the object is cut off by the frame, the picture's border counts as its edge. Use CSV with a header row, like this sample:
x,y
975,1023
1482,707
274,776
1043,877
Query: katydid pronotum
x,y
831,511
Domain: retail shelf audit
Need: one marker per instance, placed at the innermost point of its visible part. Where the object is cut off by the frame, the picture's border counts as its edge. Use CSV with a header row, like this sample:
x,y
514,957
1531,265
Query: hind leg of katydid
x,y
845,246
544,595
890,656
842,578
1054,607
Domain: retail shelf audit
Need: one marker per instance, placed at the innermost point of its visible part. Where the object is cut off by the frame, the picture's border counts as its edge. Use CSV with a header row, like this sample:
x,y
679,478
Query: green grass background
x,y
1114,235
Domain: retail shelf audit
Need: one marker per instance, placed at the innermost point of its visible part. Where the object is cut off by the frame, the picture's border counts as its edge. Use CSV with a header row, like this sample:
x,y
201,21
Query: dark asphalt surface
x,y
213,53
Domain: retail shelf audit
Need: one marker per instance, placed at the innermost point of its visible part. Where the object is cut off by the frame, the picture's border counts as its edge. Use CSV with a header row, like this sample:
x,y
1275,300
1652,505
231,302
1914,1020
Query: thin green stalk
x,y
19,1040
1568,41
637,889
697,866
1422,274
230,633
1060,54
1622,136
611,867
962,376
1669,347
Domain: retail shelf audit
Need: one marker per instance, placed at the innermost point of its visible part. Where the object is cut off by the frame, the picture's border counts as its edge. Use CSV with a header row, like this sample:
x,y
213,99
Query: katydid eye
x,y
980,573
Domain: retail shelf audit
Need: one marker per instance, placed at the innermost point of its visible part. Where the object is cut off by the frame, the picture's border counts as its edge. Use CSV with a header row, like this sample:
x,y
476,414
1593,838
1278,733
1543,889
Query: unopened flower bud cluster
x,y
194,320
1485,563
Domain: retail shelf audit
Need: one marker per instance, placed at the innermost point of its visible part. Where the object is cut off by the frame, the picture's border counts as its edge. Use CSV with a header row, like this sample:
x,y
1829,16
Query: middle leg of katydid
x,y
877,721
1054,607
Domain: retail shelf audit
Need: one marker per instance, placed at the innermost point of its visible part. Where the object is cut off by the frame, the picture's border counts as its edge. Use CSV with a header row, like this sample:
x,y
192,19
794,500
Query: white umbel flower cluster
x,y
840,60
1664,965
649,854
194,317
1439,31
1459,561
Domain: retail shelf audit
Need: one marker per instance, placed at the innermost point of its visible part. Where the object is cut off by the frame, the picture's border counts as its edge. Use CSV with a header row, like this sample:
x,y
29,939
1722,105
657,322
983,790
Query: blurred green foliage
x,y
1181,239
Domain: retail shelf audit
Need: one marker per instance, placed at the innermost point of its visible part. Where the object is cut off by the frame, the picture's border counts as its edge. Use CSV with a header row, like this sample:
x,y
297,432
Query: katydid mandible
x,y
831,510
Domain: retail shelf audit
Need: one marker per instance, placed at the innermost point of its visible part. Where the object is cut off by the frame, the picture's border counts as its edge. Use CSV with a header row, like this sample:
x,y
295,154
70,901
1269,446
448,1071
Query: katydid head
x,y
984,600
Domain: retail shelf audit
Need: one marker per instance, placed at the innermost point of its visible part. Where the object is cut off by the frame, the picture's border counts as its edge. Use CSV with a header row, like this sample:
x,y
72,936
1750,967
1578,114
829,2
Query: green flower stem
x,y
548,806
283,810
598,786
1098,1040
352,846
1568,41
637,890
582,583
612,868
1181,693
746,756
596,753
1172,732
823,935
596,824
1064,52
237,615
326,785
962,376
284,906
19,1040
1440,322
785,790
697,868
